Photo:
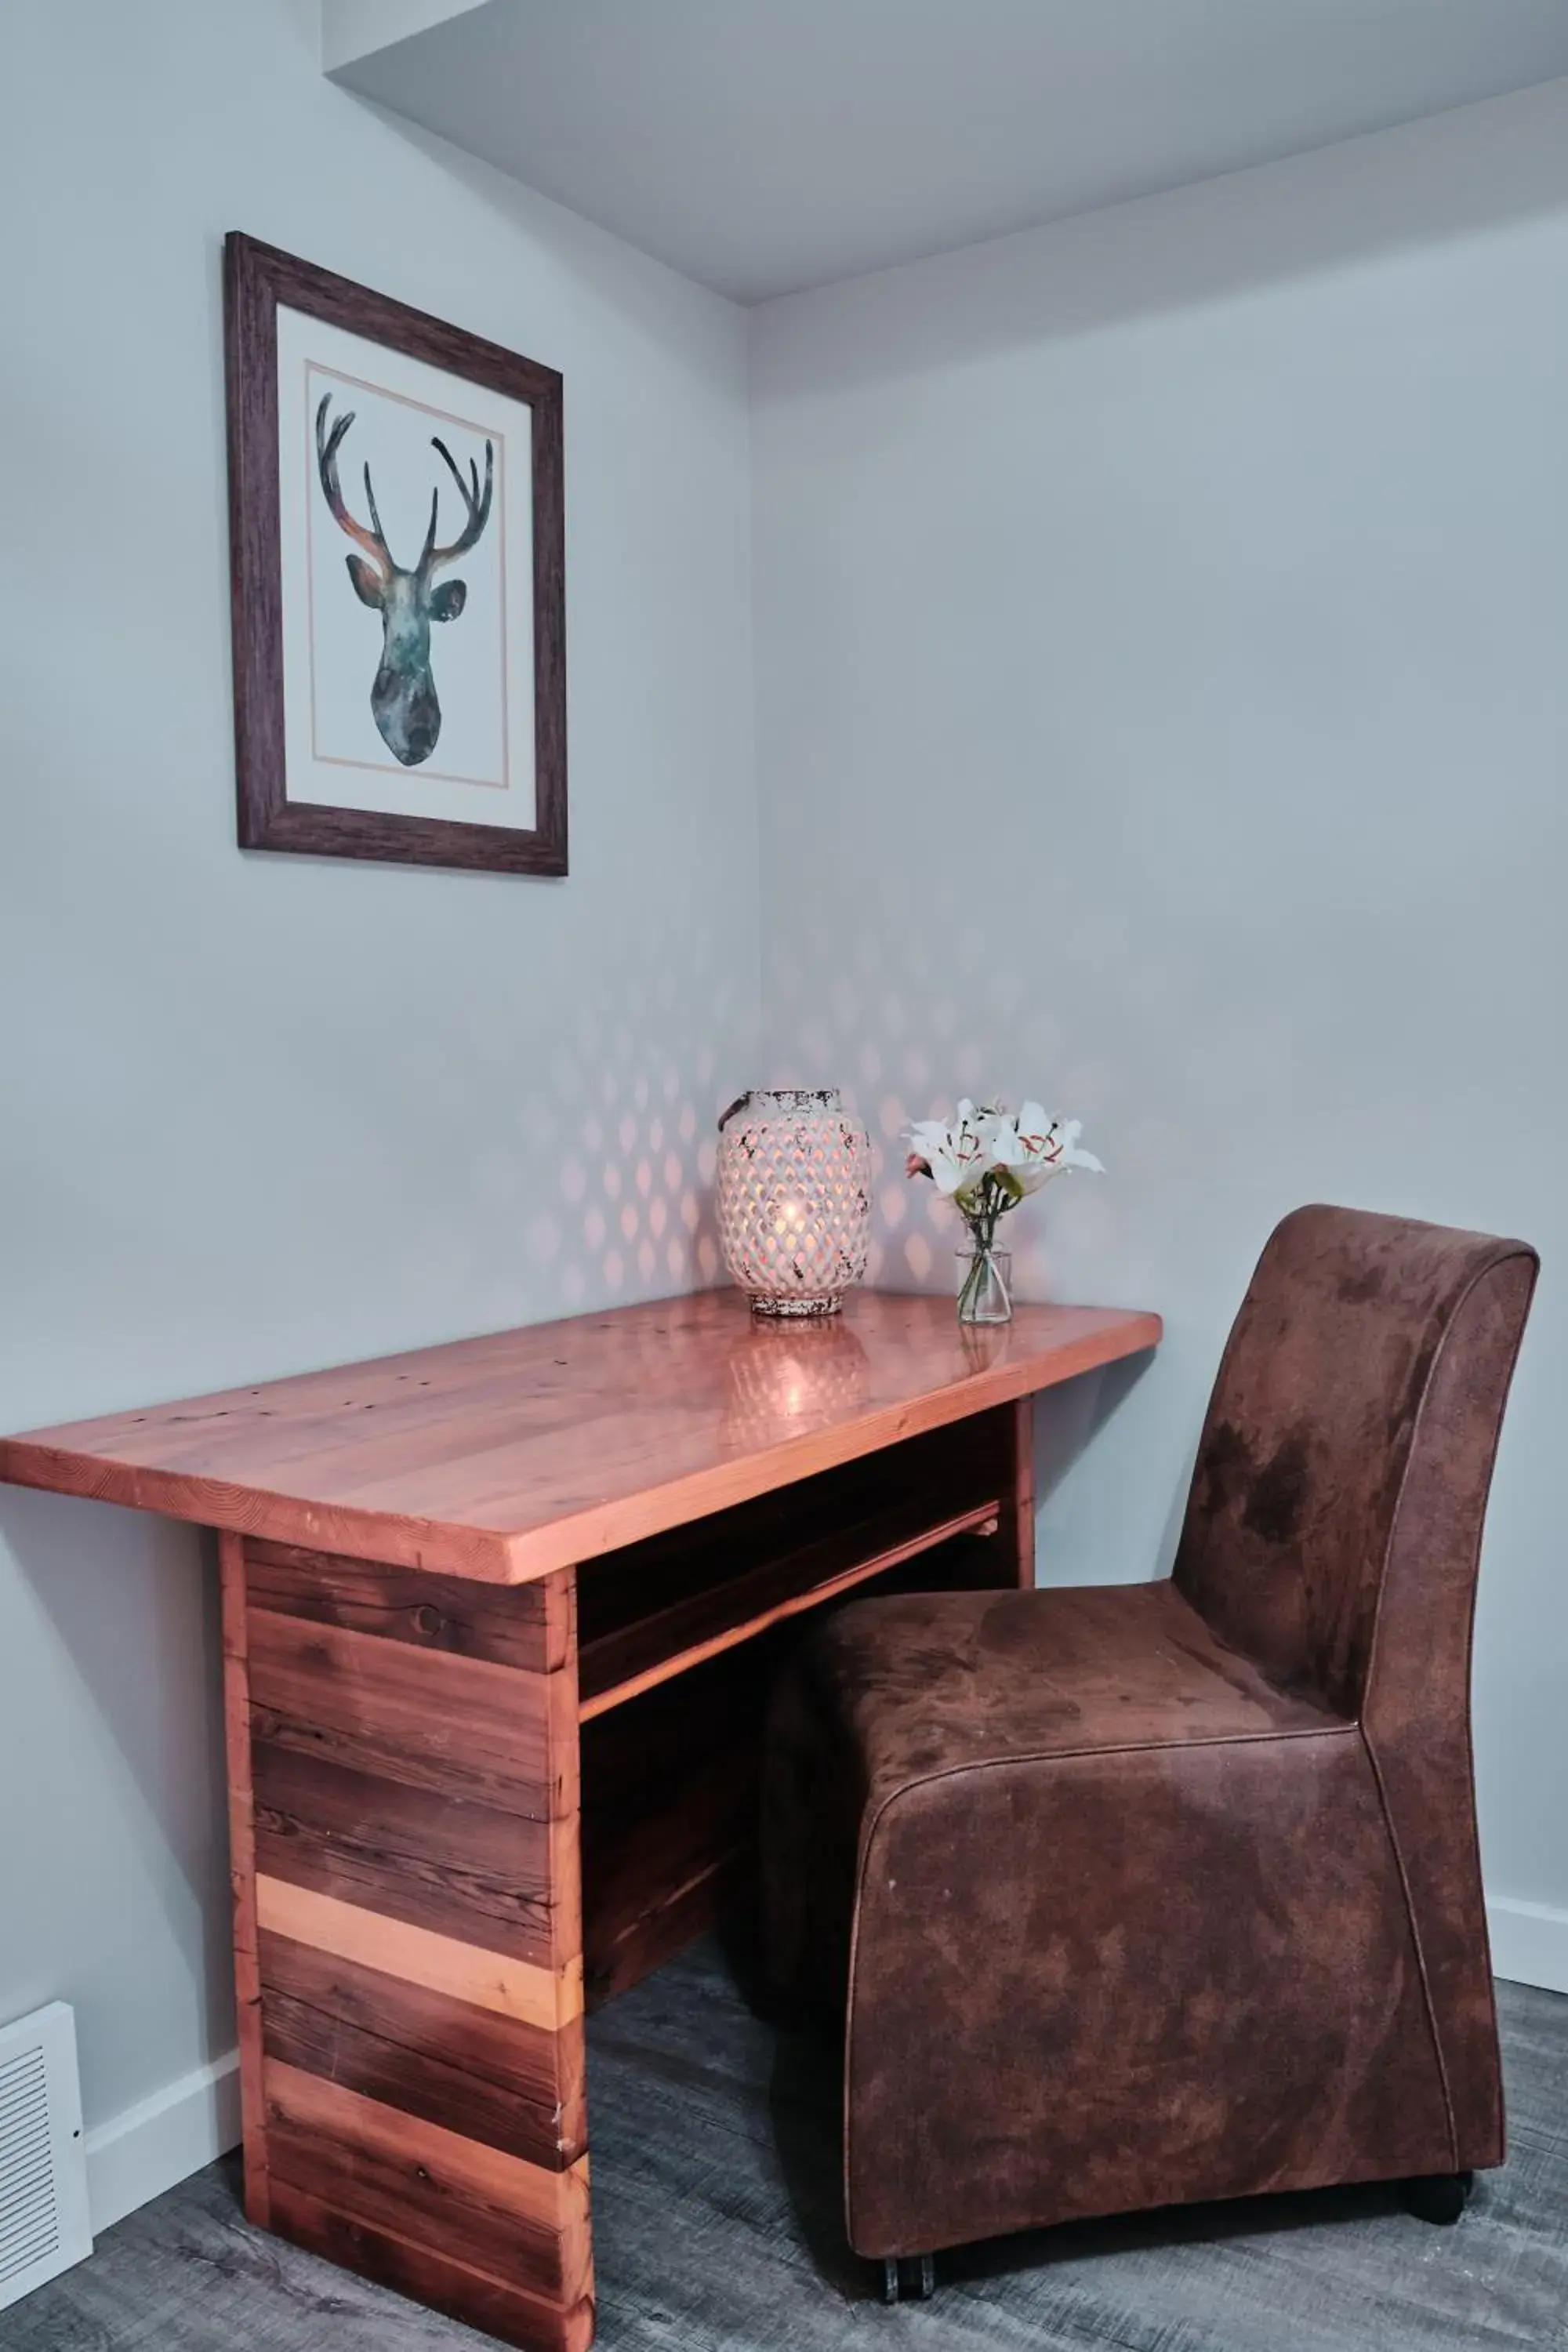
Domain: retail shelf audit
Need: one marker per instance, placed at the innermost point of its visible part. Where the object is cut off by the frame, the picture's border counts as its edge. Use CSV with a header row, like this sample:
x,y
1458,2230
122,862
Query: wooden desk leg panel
x,y
1016,1528
404,1803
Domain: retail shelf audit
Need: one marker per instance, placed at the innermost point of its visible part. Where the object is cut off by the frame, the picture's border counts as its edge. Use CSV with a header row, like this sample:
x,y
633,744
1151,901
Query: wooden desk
x,y
498,1623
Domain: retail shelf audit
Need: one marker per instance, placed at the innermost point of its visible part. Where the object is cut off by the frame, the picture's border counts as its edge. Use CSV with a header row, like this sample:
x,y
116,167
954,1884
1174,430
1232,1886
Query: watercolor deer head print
x,y
403,698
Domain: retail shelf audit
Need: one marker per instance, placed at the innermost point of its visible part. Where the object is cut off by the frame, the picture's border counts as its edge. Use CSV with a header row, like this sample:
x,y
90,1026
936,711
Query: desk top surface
x,y
506,1457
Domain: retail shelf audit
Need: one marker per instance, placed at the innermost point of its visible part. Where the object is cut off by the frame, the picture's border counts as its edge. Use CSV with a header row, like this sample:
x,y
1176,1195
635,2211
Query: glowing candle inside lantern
x,y
795,1205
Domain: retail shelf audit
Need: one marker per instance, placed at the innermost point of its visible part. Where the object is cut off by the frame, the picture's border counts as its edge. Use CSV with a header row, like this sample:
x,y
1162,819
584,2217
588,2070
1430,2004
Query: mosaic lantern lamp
x,y
794,1199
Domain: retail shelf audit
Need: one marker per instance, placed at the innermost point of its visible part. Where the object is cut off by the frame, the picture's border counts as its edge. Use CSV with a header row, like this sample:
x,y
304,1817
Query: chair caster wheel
x,y
1440,2197
911,2279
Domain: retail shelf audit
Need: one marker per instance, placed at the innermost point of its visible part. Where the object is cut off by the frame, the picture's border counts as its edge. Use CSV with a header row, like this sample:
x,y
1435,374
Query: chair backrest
x,y
1336,1506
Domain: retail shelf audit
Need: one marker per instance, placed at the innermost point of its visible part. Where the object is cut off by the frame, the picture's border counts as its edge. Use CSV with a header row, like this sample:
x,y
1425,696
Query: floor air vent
x,y
43,2165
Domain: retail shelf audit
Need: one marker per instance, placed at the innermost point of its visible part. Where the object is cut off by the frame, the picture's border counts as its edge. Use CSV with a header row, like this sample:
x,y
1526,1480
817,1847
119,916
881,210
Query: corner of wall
x,y
353,30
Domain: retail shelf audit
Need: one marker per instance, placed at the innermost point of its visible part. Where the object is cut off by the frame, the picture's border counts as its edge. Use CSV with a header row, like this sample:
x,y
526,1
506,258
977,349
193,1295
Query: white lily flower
x,y
931,1154
953,1157
1071,1156
1031,1149
1007,1143
988,1159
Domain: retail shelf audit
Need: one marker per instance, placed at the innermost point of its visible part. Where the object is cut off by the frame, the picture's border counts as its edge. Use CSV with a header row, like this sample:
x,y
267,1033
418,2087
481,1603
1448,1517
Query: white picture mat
x,y
481,769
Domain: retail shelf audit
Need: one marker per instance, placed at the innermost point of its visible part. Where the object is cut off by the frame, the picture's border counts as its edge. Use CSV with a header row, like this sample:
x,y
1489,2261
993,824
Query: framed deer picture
x,y
397,530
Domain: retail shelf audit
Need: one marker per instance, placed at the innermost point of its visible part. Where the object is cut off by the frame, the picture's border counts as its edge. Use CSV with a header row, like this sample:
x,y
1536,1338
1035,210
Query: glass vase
x,y
984,1282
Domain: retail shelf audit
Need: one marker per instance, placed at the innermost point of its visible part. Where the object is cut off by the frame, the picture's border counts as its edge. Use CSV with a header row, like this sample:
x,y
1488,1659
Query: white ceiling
x,y
764,145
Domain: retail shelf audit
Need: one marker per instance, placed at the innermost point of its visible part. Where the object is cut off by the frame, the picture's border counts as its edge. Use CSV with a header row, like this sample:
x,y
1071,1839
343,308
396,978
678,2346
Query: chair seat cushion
x,y
932,1682
888,1695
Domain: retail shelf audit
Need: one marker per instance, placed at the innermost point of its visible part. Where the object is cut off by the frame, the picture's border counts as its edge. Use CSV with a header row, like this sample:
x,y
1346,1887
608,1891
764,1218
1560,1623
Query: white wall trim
x,y
136,2156
1530,1942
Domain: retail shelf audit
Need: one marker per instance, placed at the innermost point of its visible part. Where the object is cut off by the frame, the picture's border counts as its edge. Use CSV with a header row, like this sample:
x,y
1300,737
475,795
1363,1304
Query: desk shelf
x,y
658,1608
651,1649
679,1638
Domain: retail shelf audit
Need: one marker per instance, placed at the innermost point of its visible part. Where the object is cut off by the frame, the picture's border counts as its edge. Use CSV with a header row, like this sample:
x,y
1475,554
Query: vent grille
x,y
29,2210
43,2175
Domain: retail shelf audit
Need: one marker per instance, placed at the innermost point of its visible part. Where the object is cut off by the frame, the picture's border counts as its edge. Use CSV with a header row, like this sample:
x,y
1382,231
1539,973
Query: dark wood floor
x,y
715,2196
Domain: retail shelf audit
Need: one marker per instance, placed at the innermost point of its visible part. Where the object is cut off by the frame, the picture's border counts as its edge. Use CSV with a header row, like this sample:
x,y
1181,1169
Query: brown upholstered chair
x,y
1146,1893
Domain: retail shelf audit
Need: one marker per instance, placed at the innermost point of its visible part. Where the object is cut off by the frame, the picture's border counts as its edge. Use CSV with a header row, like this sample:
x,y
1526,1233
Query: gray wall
x,y
261,1114
1163,638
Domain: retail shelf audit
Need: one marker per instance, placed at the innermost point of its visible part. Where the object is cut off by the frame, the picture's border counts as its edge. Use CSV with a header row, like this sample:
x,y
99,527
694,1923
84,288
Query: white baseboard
x,y
1530,1942
135,2157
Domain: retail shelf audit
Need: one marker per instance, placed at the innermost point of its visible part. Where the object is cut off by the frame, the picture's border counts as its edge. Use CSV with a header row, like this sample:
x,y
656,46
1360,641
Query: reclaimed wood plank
x,y
459,1727
444,1963
430,1613
1017,1526
435,1861
434,2278
491,2077
242,1873
524,2223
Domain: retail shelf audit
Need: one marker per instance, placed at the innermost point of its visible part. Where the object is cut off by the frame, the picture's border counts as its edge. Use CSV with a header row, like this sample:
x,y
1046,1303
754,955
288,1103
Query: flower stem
x,y
991,1205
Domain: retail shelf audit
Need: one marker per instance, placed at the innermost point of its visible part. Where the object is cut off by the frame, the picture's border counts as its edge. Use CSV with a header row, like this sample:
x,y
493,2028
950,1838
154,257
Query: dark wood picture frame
x,y
257,279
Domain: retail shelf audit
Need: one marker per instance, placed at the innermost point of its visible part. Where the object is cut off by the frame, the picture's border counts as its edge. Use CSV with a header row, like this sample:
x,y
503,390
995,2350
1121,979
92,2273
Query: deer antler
x,y
477,502
327,444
